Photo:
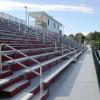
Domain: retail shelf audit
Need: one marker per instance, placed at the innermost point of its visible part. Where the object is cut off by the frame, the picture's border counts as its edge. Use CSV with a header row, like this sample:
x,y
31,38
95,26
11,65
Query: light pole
x,y
25,17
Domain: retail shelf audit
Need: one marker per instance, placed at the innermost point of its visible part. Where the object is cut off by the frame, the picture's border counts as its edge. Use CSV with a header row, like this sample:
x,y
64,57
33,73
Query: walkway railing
x,y
39,74
97,63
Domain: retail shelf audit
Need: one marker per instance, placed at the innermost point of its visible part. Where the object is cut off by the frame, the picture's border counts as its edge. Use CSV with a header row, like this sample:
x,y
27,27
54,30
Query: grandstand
x,y
26,56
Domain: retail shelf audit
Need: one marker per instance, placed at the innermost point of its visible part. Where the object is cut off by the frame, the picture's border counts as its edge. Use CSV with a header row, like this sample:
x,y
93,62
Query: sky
x,y
76,15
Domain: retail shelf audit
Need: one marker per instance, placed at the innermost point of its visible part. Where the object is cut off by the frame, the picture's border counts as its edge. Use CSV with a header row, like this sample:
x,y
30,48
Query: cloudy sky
x,y
75,15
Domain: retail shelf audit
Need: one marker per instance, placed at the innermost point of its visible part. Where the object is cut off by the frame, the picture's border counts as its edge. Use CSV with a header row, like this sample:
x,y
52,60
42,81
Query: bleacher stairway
x,y
19,54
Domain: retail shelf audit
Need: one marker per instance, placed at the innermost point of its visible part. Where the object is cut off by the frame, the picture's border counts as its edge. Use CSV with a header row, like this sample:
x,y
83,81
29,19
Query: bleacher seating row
x,y
17,51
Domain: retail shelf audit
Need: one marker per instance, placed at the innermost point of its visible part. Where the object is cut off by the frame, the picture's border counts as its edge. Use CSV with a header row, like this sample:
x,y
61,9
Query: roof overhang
x,y
41,14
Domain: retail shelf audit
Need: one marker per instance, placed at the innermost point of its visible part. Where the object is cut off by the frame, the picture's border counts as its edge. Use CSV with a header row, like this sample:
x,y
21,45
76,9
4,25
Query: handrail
x,y
21,64
40,74
20,52
38,56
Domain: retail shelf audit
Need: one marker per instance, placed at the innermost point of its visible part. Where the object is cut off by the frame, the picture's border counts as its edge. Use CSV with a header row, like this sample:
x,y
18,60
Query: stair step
x,y
25,96
5,74
15,88
44,95
3,81
10,80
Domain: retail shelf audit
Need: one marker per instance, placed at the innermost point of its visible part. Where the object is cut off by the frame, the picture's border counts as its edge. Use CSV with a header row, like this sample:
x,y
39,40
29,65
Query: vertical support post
x,y
55,45
41,85
58,40
25,76
36,30
0,58
62,47
81,50
43,38
8,19
2,18
25,29
62,40
19,24
47,32
74,55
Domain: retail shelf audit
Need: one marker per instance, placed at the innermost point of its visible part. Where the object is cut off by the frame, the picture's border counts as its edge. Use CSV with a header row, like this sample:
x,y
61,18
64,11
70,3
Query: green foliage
x,y
71,36
94,36
78,37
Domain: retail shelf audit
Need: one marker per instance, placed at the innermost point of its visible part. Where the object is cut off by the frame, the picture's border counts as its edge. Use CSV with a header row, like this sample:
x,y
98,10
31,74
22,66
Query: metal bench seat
x,y
34,57
14,86
4,81
61,66
25,96
26,50
35,67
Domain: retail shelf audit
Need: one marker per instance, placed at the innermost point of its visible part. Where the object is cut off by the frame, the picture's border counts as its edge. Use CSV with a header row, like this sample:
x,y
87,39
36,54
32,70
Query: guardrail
x,y
97,64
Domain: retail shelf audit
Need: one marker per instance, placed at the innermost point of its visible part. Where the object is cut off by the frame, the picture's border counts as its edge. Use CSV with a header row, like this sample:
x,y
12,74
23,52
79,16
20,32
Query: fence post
x,y
0,59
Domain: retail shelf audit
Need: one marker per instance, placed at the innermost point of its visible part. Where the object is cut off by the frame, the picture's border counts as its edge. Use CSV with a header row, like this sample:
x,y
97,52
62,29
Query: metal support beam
x,y
81,50
62,39
0,59
37,37
43,38
19,25
62,48
58,40
74,55
41,85
2,20
8,19
55,45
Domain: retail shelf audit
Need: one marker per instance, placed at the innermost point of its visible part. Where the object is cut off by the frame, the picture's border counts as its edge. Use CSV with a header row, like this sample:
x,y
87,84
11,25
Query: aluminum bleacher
x,y
24,55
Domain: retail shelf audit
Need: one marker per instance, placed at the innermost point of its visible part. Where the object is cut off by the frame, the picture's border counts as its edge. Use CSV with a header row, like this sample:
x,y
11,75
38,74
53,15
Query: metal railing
x,y
37,73
11,18
20,21
97,63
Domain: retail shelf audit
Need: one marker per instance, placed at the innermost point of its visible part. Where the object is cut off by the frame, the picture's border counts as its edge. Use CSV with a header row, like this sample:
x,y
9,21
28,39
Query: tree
x,y
71,36
80,37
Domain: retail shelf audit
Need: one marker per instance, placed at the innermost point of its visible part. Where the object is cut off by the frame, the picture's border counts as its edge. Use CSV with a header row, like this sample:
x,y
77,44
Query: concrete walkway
x,y
77,82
